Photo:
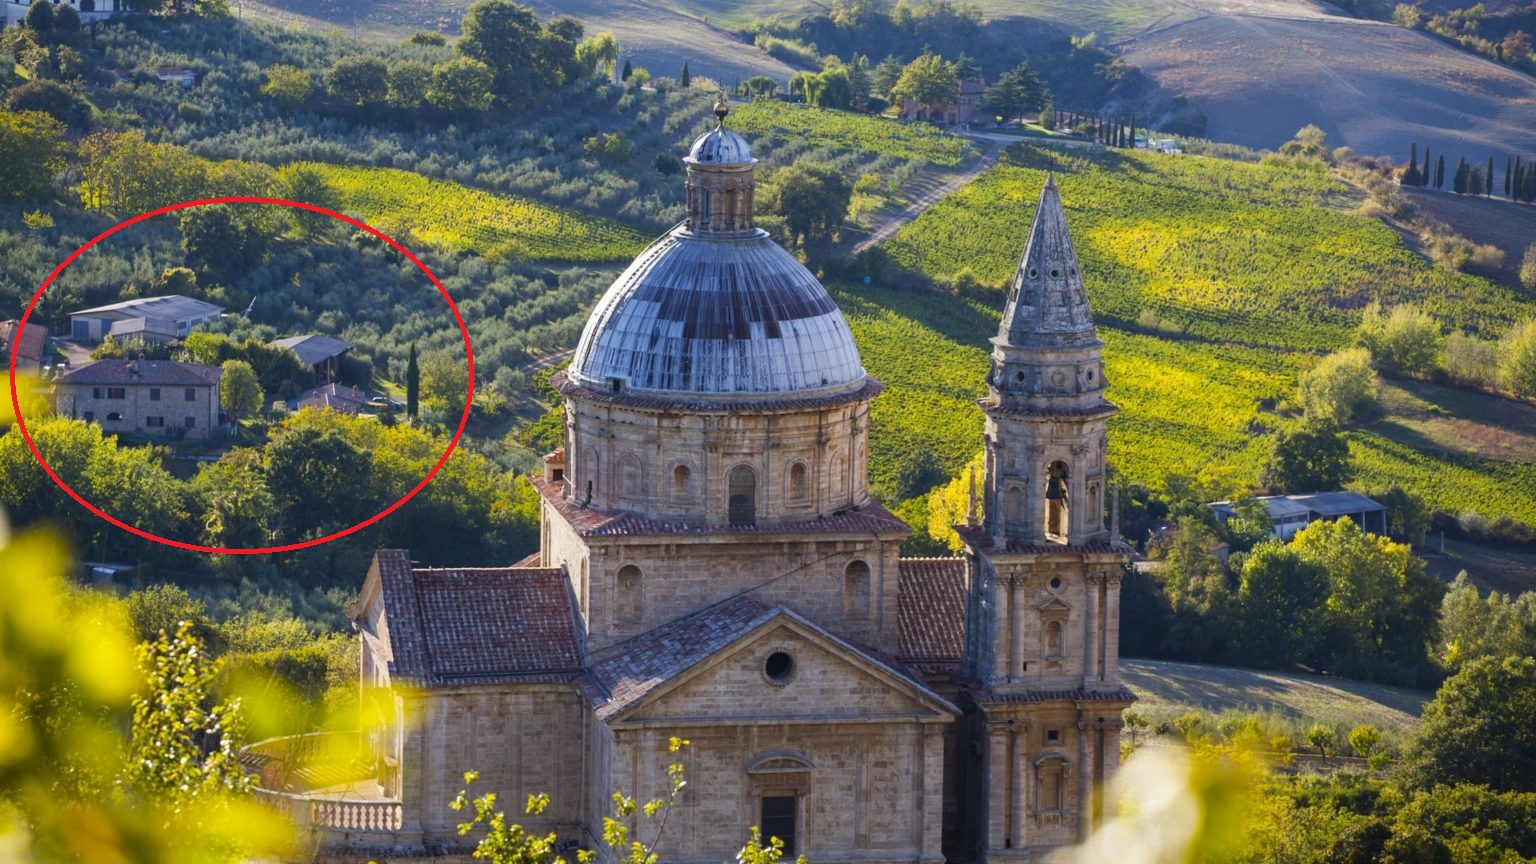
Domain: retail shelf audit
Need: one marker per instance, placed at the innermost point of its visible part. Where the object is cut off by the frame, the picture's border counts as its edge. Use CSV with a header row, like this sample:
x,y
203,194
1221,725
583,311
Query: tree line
x,y
1467,178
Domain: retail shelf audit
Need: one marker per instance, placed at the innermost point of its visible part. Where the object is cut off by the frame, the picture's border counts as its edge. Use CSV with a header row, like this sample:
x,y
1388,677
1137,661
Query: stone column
x,y
933,792
1000,623
1016,663
1017,766
1111,629
1091,635
1111,749
1084,778
997,777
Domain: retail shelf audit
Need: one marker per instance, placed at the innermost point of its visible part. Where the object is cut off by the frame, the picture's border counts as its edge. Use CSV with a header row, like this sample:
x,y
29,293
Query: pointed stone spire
x,y
1047,306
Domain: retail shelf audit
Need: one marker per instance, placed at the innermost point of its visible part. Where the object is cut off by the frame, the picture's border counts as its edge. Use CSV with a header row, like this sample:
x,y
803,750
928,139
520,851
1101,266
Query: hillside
x,y
1511,227
1374,87
1214,283
1164,687
655,37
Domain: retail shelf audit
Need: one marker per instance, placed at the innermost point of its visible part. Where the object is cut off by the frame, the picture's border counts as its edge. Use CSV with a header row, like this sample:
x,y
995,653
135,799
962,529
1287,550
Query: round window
x,y
1055,274
1033,272
779,667
1056,584
1019,376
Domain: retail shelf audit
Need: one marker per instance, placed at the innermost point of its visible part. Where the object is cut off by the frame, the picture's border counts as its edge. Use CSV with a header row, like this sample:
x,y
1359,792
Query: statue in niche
x,y
1056,499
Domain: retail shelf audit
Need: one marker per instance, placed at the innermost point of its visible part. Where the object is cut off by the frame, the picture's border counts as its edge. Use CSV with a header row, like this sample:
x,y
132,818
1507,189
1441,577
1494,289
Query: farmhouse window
x,y
154,422
116,393
190,394
154,394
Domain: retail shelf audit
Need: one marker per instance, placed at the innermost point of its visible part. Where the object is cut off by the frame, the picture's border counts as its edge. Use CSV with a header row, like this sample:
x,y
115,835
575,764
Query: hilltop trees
x,y
34,144
928,80
240,389
358,80
1517,364
525,59
1313,457
1015,92
1340,388
1480,728
1406,341
599,52
812,199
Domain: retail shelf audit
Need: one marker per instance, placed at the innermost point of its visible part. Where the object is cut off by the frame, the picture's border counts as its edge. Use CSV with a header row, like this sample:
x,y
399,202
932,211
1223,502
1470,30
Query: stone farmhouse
x,y
142,397
171,316
712,566
90,10
966,107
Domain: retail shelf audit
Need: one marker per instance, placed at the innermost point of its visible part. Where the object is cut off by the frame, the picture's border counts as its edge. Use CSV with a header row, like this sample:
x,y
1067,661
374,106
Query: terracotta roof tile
x,y
147,372
33,340
1121,694
481,625
930,615
591,522
624,674
978,538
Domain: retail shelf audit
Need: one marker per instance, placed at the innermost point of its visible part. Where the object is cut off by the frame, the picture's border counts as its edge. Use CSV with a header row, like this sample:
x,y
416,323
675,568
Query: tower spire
x,y
1047,306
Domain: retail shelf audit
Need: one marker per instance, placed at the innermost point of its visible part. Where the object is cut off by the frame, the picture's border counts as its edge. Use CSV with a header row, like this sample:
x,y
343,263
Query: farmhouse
x,y
142,397
90,10
712,566
33,340
965,108
345,400
1291,513
322,354
173,313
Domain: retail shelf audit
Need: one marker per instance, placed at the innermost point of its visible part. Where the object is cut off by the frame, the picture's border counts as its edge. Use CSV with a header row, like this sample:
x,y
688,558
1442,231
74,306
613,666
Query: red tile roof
x,y
147,372
1120,694
480,625
33,340
930,615
591,522
622,675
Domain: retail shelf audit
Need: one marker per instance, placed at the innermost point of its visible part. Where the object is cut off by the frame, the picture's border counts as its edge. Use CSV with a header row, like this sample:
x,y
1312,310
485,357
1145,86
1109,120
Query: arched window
x,y
742,502
856,590
839,477
799,489
1056,492
1053,640
681,477
114,416
630,603
631,478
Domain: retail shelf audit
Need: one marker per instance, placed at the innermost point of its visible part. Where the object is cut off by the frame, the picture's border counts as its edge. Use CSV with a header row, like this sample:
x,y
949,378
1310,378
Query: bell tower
x,y
1045,406
1043,612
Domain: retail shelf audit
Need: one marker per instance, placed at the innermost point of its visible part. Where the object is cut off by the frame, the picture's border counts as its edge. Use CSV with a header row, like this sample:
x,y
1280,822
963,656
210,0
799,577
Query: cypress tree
x,y
1516,179
1133,130
628,71
1411,176
1440,172
412,385
687,79
1488,179
1425,177
1459,179
1530,184
1474,180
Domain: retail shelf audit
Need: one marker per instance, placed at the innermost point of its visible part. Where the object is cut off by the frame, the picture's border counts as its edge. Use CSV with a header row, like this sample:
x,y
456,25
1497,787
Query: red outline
x,y
219,550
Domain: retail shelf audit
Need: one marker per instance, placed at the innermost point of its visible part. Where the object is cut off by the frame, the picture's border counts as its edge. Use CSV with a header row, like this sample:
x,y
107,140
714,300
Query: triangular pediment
x,y
785,668
1053,604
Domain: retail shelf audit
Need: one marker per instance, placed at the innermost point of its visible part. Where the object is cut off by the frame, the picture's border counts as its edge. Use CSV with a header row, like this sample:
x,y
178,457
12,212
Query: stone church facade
x,y
712,567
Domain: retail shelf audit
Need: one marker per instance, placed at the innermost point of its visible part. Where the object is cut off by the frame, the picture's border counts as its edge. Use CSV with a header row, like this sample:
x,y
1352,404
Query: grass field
x,y
462,219
1510,227
874,135
1246,275
1164,688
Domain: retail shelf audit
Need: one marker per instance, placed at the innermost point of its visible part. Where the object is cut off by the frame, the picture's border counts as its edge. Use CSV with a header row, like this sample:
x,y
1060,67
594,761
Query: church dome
x,y
712,314
720,147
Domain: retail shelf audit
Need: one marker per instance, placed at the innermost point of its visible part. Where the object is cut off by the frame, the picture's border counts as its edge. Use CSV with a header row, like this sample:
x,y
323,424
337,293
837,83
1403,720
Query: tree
x,y
504,36
1340,388
599,52
686,79
40,18
1312,457
1517,358
1321,737
288,85
406,82
1382,607
1015,92
237,509
228,240
1279,601
52,98
318,478
184,747
240,389
885,76
1480,728
628,71
161,609
1310,143
759,87
1411,175
461,85
358,80
305,184
124,172
1528,267
444,381
412,386
1440,172
1365,740
813,200
1406,342
928,80
1196,585
34,146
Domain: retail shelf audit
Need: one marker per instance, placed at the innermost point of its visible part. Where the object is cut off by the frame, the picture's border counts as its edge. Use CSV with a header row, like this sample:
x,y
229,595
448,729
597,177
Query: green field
x,y
920,142
462,219
1215,283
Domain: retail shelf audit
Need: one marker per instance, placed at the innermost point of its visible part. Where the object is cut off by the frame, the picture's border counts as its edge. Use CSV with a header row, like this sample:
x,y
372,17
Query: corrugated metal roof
x,y
1330,504
313,349
173,307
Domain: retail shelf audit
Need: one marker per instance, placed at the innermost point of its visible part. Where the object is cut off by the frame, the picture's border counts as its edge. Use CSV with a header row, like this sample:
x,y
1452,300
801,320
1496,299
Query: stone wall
x,y
136,406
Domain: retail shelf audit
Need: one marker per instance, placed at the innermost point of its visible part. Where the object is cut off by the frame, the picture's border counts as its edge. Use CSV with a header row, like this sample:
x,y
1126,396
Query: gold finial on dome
x,y
722,109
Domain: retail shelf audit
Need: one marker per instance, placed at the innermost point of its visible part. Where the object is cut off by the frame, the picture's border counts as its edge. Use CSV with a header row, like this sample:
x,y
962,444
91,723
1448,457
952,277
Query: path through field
x,y
992,149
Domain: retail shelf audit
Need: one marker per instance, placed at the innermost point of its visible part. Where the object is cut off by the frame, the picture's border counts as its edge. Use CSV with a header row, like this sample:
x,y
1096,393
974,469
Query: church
x,y
712,567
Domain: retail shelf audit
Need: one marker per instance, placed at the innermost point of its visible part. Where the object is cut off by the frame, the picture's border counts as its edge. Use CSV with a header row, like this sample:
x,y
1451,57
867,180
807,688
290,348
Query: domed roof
x,y
723,315
720,146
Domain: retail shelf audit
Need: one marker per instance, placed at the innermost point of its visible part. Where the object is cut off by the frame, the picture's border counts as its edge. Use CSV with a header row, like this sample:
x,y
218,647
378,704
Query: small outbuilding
x,y
176,311
320,353
1291,513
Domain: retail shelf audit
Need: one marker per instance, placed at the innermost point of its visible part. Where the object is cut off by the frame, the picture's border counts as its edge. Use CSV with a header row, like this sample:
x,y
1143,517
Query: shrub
x,y
1341,387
